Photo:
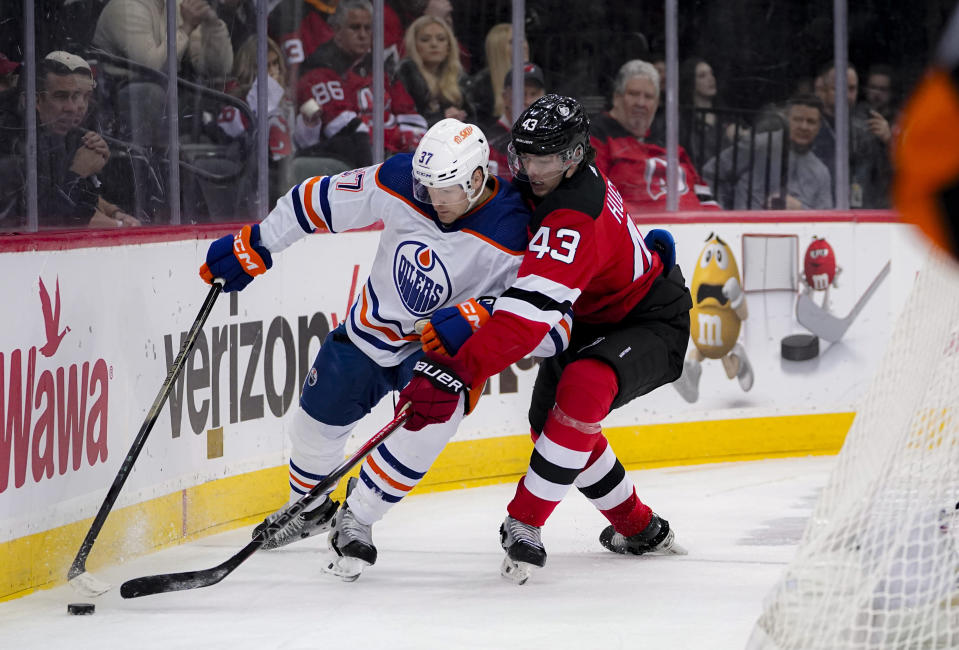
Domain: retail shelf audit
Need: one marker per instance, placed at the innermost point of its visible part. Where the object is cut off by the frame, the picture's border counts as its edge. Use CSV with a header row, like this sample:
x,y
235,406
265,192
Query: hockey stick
x,y
823,324
77,576
165,582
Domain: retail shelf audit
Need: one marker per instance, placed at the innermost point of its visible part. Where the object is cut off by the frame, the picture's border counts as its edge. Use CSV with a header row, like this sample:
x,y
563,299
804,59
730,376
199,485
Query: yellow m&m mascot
x,y
719,308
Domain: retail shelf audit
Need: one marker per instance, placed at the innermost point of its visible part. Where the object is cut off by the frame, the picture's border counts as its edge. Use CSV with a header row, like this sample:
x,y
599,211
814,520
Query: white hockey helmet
x,y
447,156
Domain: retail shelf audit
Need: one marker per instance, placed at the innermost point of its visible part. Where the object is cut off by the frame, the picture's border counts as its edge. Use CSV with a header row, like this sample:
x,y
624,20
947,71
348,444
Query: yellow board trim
x,y
40,561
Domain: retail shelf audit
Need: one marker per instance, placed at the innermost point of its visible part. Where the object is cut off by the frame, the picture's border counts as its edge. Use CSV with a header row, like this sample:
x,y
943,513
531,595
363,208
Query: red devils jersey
x,y
343,89
639,170
301,39
585,252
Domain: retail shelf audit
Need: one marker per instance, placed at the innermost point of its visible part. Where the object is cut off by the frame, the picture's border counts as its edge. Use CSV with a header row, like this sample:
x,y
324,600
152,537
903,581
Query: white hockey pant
x,y
386,476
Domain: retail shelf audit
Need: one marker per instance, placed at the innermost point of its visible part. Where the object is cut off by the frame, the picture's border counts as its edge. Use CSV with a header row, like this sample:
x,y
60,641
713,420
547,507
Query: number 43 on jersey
x,y
561,246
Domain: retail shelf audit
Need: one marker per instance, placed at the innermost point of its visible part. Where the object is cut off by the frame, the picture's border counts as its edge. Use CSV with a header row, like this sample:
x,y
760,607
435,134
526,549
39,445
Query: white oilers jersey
x,y
420,264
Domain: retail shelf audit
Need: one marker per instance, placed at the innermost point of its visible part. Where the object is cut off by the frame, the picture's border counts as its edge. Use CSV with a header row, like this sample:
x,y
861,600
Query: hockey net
x,y
770,262
878,564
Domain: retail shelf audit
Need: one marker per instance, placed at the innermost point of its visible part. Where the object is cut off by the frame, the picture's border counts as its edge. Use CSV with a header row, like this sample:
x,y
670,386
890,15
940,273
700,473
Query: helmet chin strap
x,y
479,192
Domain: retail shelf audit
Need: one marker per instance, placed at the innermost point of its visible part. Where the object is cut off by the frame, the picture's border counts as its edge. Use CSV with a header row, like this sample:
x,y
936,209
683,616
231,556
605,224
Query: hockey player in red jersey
x,y
443,216
631,328
638,167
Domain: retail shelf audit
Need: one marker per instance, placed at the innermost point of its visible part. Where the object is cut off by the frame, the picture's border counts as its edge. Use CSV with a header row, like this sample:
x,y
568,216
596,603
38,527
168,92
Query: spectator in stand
x,y
136,30
335,101
638,167
239,16
658,59
657,130
485,88
432,74
302,26
878,111
881,90
870,171
68,158
498,132
86,122
234,123
819,86
299,26
443,9
8,73
702,131
808,183
12,146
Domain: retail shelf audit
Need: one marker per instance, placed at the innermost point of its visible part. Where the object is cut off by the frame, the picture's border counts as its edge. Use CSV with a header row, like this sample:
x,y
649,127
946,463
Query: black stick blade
x,y
159,584
166,582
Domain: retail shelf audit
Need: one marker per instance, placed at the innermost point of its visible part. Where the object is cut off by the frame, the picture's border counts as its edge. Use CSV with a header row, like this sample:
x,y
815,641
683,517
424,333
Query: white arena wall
x,y
93,322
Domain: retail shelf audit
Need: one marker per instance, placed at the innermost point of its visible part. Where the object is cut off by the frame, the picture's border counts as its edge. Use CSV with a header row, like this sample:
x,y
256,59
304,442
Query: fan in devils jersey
x,y
335,97
631,327
450,232
624,154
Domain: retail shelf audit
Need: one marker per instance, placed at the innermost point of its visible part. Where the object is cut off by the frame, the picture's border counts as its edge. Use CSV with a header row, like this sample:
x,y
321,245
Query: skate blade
x,y
669,546
89,586
347,569
516,572
673,549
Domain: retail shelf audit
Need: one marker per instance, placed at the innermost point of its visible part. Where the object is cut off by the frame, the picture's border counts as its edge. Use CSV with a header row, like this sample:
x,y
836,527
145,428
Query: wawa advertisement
x,y
90,334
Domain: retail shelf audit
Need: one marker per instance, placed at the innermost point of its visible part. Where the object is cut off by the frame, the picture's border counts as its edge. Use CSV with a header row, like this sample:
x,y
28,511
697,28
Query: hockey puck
x,y
800,347
81,609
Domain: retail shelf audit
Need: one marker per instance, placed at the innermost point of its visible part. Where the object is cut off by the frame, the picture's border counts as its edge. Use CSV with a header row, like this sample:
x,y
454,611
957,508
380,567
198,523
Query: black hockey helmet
x,y
551,124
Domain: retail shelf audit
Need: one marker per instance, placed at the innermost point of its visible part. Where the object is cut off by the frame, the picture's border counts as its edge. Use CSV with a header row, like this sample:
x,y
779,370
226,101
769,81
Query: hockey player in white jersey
x,y
451,232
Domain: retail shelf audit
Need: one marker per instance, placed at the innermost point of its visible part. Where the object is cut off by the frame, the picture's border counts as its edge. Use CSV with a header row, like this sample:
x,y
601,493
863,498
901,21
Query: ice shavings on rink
x,y
436,583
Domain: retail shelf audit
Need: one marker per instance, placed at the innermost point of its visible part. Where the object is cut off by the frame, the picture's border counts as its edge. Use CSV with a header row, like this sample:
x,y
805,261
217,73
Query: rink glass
x,y
223,177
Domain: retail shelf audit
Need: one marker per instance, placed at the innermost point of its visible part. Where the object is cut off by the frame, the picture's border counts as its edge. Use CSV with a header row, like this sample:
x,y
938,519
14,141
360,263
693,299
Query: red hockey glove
x,y
434,391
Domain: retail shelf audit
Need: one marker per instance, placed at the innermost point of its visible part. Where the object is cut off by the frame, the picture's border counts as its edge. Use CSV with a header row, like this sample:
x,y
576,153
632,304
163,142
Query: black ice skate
x,y
524,550
305,524
352,541
656,539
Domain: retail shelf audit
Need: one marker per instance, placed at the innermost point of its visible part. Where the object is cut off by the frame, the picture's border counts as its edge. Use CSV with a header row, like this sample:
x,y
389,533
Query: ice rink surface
x,y
436,583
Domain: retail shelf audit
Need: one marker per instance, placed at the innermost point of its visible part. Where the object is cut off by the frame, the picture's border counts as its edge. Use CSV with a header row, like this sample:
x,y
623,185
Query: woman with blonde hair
x,y
432,73
280,113
244,66
485,89
242,85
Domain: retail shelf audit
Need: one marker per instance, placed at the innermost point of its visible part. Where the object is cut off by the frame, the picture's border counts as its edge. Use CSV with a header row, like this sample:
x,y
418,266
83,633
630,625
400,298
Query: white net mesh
x,y
878,565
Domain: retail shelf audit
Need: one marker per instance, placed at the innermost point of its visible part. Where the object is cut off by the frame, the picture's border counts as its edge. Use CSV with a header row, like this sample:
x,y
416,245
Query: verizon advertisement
x,y
90,333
